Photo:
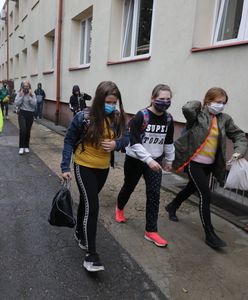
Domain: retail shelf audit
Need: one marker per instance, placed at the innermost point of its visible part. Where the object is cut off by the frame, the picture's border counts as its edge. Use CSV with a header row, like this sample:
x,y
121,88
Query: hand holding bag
x,y
61,213
238,175
6,99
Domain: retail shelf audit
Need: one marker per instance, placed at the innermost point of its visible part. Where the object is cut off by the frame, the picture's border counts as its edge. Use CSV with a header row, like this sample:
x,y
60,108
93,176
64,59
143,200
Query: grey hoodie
x,y
26,102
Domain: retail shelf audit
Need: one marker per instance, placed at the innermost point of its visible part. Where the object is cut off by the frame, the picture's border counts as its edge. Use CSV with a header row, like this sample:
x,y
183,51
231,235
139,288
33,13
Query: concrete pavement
x,y
39,261
187,269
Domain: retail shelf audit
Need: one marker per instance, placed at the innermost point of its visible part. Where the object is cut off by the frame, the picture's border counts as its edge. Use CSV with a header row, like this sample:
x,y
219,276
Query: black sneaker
x,y
214,241
92,263
81,242
172,213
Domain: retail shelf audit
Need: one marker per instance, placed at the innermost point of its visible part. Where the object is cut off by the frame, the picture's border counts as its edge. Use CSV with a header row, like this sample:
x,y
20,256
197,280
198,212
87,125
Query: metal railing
x,y
236,195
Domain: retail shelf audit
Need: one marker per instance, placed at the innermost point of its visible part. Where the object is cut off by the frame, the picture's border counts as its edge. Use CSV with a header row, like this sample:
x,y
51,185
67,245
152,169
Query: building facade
x,y
190,45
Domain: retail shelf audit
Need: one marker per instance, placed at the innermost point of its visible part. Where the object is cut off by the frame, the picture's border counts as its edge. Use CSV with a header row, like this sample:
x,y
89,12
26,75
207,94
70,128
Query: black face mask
x,y
162,105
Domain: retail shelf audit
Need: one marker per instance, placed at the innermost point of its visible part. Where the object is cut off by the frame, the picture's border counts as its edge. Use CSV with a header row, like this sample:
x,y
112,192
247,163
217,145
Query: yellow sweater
x,y
207,153
93,157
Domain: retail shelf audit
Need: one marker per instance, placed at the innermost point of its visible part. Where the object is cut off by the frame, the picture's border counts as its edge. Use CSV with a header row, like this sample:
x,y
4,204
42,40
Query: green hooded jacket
x,y
3,93
197,129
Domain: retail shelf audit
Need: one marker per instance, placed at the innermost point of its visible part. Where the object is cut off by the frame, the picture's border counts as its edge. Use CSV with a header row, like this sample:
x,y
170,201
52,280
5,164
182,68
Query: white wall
x,y
177,27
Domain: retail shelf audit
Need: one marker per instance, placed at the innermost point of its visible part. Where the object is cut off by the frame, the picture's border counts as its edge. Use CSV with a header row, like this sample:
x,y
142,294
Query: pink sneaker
x,y
119,215
156,239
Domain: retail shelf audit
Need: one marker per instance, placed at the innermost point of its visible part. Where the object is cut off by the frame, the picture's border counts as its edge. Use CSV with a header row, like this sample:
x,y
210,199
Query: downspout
x,y
58,75
7,31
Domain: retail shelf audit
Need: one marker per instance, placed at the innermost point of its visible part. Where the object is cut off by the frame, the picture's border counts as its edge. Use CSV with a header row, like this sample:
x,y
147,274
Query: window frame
x,y
134,33
85,41
243,27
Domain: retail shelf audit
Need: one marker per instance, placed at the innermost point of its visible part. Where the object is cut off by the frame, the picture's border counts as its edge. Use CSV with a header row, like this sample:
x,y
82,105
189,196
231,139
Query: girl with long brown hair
x,y
93,135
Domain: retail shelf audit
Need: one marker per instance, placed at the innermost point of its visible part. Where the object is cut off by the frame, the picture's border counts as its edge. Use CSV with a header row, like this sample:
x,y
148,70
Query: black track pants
x,y
90,182
25,119
198,182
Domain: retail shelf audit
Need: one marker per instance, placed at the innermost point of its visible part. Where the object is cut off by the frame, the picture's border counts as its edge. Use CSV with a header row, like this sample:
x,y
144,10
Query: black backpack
x,y
61,213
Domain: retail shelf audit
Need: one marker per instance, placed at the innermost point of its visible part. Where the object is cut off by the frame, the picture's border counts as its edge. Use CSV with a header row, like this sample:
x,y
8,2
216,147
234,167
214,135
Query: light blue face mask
x,y
109,108
216,108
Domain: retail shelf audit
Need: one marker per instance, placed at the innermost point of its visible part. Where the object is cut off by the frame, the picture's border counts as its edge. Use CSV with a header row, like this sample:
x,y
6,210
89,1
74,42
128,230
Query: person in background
x,y
1,121
13,96
40,96
201,151
93,136
26,103
150,150
4,98
77,100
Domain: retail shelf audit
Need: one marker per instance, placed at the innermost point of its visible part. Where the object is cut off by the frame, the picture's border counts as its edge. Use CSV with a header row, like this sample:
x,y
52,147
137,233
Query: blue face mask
x,y
109,108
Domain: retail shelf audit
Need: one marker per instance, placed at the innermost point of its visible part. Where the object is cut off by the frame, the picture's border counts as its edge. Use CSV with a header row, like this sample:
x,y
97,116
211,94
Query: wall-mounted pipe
x,y
7,31
58,73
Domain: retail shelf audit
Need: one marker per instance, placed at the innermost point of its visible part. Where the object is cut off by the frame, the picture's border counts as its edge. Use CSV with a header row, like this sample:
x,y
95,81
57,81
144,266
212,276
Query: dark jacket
x,y
74,136
3,93
198,126
78,103
40,92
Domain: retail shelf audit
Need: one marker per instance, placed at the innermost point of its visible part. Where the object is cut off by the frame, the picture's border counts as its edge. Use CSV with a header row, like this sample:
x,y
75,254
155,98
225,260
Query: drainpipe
x,y
7,32
58,62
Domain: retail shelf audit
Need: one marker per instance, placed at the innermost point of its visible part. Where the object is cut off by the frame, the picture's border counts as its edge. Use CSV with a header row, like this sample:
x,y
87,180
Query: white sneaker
x,y
21,151
92,263
26,150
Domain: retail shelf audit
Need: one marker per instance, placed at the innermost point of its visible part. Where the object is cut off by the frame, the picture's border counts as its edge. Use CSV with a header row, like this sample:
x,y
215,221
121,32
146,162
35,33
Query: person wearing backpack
x,y
1,120
201,151
40,96
150,150
93,135
4,99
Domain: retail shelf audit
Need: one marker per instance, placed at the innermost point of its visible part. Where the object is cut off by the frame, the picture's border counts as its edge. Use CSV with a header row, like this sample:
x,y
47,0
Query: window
x,y
52,53
81,39
16,66
11,22
16,16
86,38
3,34
34,4
24,8
24,63
2,73
11,68
232,21
137,23
49,51
34,58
